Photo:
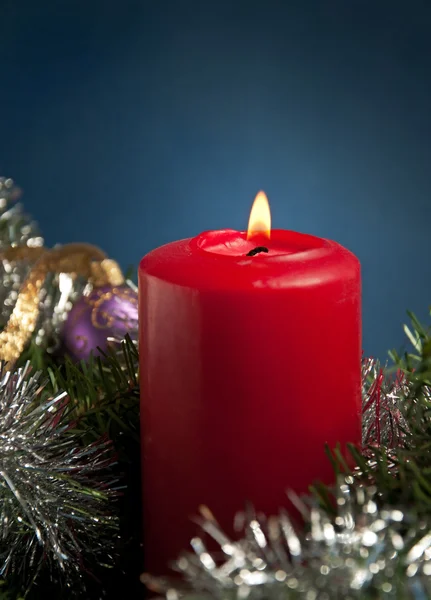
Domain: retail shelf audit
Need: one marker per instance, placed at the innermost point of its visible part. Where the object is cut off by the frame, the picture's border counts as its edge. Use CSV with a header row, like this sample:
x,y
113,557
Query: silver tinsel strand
x,y
363,553
383,421
53,491
16,229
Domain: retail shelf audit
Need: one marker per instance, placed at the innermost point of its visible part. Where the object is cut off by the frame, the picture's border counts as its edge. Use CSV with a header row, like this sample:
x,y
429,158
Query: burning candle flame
x,y
259,223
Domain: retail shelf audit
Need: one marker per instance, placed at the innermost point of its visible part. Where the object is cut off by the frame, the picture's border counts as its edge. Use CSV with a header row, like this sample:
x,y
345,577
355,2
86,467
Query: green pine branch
x,y
103,391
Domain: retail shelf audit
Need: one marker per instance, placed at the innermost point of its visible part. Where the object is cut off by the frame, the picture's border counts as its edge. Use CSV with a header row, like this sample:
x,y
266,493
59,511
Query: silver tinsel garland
x,y
383,421
16,227
53,491
16,230
364,551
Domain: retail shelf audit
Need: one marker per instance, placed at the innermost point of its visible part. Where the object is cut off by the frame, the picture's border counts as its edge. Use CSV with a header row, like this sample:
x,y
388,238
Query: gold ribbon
x,y
74,259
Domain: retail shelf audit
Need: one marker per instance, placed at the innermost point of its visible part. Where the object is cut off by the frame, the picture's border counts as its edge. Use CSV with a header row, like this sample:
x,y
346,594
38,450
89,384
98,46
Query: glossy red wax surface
x,y
249,365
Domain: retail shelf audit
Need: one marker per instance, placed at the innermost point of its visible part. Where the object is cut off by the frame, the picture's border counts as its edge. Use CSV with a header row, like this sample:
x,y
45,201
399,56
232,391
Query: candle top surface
x,y
226,259
233,243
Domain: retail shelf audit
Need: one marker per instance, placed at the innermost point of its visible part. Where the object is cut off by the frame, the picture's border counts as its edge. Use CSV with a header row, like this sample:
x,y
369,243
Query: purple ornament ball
x,y
107,312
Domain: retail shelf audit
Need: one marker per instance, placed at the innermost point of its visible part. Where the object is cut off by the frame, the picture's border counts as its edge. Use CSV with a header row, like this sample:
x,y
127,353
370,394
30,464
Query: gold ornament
x,y
76,260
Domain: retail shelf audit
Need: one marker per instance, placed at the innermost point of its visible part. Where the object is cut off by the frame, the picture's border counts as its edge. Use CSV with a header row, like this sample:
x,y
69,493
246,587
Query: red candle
x,y
250,362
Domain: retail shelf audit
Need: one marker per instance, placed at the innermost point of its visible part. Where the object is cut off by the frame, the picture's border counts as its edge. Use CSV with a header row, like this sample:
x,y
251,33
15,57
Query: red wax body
x,y
249,365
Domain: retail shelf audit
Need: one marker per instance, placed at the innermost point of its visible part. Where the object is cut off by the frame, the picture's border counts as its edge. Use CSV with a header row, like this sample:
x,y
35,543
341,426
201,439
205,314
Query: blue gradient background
x,y
131,123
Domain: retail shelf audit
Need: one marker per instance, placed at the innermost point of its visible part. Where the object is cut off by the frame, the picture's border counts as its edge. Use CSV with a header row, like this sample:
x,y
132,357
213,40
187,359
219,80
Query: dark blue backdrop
x,y
133,123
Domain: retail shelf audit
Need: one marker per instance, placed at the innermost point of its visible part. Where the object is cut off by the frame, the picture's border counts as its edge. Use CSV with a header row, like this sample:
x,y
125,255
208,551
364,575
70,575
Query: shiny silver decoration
x,y
16,227
386,397
365,552
54,492
383,420
16,230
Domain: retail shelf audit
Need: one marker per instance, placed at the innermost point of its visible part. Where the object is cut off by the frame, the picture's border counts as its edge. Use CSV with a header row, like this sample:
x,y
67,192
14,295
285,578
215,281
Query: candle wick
x,y
257,250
